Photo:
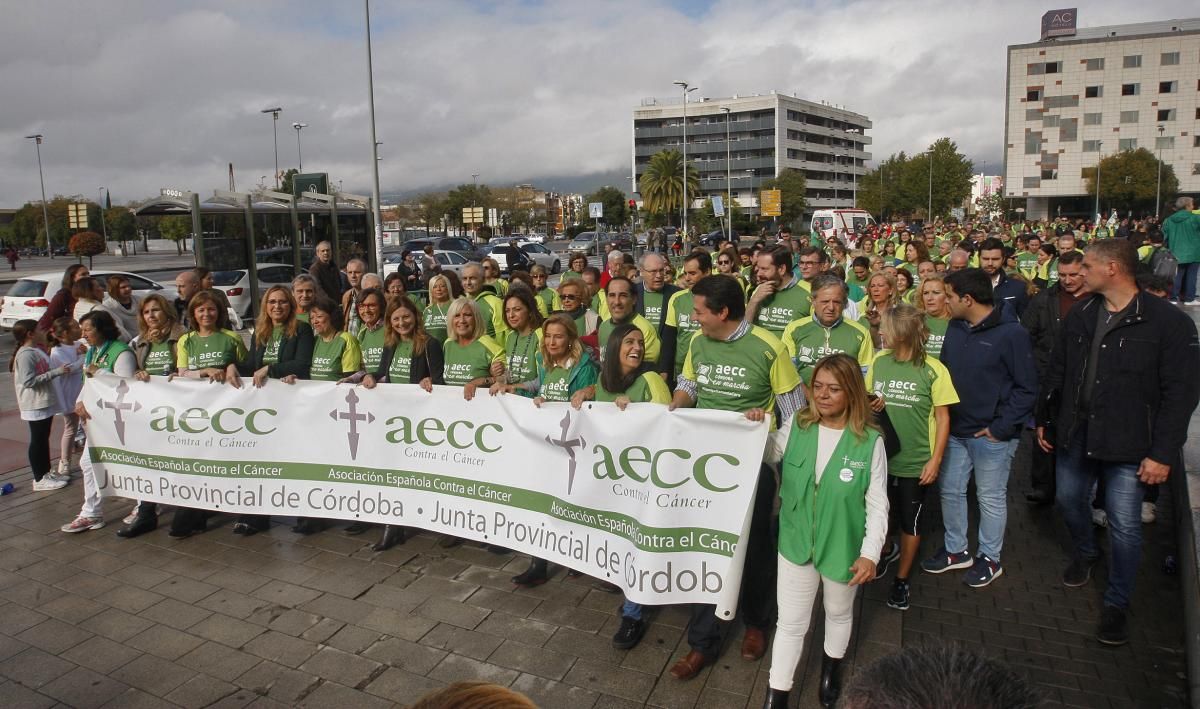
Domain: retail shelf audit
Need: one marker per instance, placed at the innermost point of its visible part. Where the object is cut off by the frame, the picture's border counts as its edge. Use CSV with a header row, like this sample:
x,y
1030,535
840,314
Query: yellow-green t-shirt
x,y
911,394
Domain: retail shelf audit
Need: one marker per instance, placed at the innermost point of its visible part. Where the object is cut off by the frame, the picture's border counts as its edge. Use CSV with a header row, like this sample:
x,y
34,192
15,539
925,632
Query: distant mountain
x,y
582,184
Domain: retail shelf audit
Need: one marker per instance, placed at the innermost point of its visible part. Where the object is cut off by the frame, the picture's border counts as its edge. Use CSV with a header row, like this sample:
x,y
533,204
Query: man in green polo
x,y
780,297
810,339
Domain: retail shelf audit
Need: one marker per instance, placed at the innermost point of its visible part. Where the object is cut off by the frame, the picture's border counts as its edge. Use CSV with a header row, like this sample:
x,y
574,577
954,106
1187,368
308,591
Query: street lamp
x,y
686,90
853,171
103,226
299,155
37,141
474,191
275,130
750,177
1158,189
728,174
929,211
376,212
1099,155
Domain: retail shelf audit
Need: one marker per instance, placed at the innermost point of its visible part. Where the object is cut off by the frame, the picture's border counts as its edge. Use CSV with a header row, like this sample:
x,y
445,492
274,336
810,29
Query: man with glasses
x,y
653,293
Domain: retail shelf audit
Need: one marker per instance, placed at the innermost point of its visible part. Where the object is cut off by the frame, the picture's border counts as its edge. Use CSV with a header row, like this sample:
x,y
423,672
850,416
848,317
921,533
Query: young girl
x,y
66,352
33,379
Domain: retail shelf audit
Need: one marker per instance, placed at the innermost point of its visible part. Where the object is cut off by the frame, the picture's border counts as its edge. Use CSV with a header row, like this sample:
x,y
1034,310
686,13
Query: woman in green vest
x,y
522,345
438,308
832,522
545,293
372,328
105,353
575,266
931,299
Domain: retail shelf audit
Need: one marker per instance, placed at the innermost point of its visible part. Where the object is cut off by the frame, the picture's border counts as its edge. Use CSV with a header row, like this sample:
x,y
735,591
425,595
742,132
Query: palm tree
x,y
662,183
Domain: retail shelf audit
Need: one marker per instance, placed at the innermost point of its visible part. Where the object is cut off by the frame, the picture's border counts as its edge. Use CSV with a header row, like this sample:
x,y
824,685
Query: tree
x,y
175,228
616,207
662,183
285,184
87,243
874,193
791,185
905,187
1129,181
430,209
466,196
122,225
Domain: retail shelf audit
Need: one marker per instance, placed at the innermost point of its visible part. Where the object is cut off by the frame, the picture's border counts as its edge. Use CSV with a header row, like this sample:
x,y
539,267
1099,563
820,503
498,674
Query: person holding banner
x,y
304,289
620,296
733,365
523,343
206,351
439,304
832,522
473,359
371,331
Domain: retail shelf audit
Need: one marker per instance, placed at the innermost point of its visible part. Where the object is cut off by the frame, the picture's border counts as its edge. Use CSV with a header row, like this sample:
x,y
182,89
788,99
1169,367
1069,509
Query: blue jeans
x,y
992,462
1122,503
629,609
1185,282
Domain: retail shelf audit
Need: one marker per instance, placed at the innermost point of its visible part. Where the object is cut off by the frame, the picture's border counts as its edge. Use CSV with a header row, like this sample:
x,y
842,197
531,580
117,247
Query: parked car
x,y
712,238
236,284
622,241
587,242
498,249
451,261
543,257
459,244
534,238
29,297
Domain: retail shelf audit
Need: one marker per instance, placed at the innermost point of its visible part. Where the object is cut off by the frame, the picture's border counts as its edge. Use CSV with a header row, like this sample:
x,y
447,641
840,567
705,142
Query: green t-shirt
x,y
784,307
808,342
220,349
556,385
303,317
435,321
491,309
520,356
1027,264
648,387
464,364
911,394
549,298
271,351
744,374
335,359
680,315
652,307
158,360
400,369
937,335
371,344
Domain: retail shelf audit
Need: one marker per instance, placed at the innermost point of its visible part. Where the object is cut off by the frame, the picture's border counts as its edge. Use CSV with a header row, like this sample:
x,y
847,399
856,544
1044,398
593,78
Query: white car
x,y
533,238
451,261
236,284
542,256
29,297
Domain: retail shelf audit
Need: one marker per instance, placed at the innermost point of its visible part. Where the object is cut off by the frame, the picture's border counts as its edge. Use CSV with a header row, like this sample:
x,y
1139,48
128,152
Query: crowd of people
x,y
887,364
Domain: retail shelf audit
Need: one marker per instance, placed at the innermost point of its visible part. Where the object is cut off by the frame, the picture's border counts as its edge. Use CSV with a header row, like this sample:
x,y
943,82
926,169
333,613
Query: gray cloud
x,y
136,95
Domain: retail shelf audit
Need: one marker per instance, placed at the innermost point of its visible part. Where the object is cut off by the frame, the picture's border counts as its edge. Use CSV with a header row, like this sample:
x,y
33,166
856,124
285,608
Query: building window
x,y
1093,91
1166,114
1196,166
1133,61
1033,114
1033,94
1031,182
1053,67
1127,144
1095,64
1033,142
1168,87
1049,174
1195,142
1164,142
1091,146
1170,58
1061,101
1093,119
1035,69
1131,89
1129,116
1068,130
1050,121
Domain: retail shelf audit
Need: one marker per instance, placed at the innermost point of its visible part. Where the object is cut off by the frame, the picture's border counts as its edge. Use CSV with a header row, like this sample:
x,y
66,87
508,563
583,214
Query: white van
x,y
846,224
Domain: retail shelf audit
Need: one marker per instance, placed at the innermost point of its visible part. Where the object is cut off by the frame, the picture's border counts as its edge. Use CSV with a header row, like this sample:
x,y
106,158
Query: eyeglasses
x,y
723,262
568,296
654,271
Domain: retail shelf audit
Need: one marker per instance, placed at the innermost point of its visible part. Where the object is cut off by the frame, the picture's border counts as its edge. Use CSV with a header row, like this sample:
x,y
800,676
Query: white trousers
x,y
91,491
797,592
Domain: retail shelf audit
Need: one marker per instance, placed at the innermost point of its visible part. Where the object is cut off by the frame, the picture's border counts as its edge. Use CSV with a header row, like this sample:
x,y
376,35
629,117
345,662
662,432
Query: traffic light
x,y
633,205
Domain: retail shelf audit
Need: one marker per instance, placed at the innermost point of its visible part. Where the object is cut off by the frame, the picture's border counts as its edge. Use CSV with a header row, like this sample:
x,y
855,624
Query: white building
x,y
768,133
1098,90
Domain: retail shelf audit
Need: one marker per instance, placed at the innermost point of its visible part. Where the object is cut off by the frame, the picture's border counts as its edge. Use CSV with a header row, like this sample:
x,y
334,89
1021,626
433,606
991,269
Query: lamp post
x,y
103,225
37,141
275,132
376,214
686,90
474,192
854,171
1158,188
929,210
728,174
1099,156
750,177
299,154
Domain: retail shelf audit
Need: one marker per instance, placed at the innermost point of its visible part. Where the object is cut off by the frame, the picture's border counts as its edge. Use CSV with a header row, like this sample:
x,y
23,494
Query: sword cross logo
x,y
569,445
119,407
353,416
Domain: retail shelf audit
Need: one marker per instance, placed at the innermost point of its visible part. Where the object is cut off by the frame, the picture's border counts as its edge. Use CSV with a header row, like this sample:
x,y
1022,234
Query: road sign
x,y
472,215
771,203
77,216
310,182
596,210
493,218
718,207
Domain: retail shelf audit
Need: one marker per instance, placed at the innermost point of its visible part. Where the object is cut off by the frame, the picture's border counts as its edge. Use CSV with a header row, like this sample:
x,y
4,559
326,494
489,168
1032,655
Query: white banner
x,y
652,501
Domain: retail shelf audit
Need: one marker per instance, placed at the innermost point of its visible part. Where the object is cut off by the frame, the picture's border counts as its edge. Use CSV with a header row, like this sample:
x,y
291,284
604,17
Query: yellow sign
x,y
472,215
77,216
771,203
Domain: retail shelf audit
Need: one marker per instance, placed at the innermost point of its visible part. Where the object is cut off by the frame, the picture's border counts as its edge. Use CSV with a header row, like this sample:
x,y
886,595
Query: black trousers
x,y
39,446
1041,469
757,599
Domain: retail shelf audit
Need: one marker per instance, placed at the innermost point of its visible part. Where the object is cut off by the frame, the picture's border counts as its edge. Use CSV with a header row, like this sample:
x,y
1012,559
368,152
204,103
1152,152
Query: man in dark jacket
x,y
1125,372
1005,289
990,358
1043,319
326,273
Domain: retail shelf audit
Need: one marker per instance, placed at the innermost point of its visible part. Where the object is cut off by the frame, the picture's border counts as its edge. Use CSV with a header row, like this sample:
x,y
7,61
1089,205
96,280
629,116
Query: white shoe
x,y
1099,517
48,483
1149,513
82,524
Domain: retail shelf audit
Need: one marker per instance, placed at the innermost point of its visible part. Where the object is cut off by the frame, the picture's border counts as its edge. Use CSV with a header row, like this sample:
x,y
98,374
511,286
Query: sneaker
x,y
898,598
48,483
129,518
1149,513
1113,629
982,572
886,561
1078,573
944,561
629,634
65,477
82,524
1099,517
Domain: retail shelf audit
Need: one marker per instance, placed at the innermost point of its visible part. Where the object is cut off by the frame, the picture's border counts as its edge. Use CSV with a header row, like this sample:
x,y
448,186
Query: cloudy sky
x,y
137,95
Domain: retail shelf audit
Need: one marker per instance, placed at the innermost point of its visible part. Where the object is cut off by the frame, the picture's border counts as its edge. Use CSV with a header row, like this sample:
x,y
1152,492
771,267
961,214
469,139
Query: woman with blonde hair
x,y
473,359
829,540
441,294
882,294
931,300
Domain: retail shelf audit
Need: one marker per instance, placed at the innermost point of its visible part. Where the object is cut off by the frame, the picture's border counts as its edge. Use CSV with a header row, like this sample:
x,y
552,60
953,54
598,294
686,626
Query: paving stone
x,y
238,580
47,571
165,642
353,639
569,616
406,655
284,594
34,668
611,679
232,603
532,660
286,620
53,636
10,646
608,701
200,691
82,688
455,613
403,625
87,584
395,598
16,618
730,673
100,654
456,668
441,588
334,606
281,648
29,593
470,643
323,630
342,667
177,614
509,603
283,684
348,585
584,645
185,590
103,564
129,598
549,693
237,700
219,661
116,624
15,695
530,632
396,685
331,694
152,674
139,574
226,630
716,699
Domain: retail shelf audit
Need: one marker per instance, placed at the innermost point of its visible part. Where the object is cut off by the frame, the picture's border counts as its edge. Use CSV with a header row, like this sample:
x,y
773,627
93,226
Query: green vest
x,y
825,524
106,356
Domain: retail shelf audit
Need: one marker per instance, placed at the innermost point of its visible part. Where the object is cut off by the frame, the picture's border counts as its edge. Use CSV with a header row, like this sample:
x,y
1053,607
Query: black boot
x,y
776,699
188,521
535,575
392,535
145,521
831,681
306,526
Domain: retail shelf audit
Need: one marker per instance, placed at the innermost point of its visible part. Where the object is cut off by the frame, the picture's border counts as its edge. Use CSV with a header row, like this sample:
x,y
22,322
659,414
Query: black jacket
x,y
295,355
431,364
1147,381
1012,292
329,280
1042,319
